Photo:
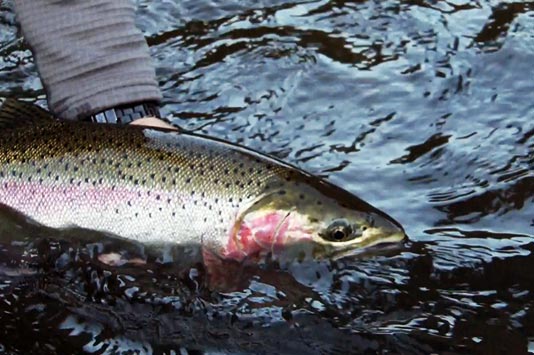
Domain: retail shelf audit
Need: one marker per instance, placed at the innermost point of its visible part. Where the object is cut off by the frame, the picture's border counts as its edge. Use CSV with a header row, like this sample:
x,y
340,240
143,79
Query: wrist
x,y
125,114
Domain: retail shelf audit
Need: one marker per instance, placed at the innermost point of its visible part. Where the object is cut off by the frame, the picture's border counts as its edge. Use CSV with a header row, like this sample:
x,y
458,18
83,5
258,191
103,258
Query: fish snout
x,y
383,229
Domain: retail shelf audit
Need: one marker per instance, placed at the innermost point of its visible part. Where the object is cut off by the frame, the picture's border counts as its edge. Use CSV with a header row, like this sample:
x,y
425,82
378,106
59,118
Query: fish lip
x,y
392,241
375,249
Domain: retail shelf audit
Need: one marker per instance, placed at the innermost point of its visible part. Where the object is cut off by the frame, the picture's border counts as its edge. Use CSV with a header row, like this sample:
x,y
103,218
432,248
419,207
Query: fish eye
x,y
338,231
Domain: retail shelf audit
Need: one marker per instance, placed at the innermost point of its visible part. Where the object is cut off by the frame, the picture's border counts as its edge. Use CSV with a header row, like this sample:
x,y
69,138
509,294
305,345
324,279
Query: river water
x,y
423,108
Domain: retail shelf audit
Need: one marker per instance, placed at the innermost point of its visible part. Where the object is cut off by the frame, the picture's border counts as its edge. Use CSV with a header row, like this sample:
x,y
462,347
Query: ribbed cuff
x,y
89,54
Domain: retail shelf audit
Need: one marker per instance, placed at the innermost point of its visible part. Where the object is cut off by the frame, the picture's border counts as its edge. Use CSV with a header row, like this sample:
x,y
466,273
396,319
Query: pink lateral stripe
x,y
33,197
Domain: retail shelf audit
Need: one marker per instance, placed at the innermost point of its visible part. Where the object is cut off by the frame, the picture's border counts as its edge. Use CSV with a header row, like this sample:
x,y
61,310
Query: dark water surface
x,y
423,108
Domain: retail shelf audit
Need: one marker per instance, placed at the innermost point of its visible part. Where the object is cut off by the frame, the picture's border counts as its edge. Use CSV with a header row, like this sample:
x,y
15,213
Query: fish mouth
x,y
379,235
381,249
376,243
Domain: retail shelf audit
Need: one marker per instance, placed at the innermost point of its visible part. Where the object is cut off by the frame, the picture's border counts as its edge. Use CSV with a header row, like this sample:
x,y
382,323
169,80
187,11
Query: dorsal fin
x,y
15,113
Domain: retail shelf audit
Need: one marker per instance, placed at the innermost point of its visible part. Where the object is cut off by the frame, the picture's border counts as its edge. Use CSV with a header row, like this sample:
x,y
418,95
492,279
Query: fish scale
x,y
141,174
157,186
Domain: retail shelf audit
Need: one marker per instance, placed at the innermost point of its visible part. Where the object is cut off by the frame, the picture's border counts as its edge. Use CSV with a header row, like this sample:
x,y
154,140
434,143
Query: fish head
x,y
312,218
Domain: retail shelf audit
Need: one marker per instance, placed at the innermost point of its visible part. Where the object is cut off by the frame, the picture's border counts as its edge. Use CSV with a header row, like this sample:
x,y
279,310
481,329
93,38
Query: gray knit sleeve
x,y
89,54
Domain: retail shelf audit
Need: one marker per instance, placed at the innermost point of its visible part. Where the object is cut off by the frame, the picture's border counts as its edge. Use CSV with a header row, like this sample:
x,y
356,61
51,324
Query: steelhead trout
x,y
158,187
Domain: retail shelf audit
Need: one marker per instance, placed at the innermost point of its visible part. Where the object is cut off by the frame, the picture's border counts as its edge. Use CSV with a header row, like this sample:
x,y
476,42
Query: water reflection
x,y
492,35
423,108
419,298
